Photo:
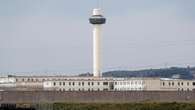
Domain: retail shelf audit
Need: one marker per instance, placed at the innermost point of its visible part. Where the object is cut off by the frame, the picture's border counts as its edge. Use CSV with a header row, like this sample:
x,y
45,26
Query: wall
x,y
96,97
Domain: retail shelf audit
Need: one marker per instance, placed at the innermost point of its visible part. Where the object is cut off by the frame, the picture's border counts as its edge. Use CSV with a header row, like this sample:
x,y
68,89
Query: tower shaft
x,y
96,50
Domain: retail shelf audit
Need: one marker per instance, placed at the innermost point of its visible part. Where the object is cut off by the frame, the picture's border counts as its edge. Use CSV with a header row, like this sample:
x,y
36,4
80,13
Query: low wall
x,y
94,97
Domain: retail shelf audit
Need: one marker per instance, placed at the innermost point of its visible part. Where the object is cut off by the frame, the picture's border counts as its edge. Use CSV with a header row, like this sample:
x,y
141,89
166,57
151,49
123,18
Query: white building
x,y
65,83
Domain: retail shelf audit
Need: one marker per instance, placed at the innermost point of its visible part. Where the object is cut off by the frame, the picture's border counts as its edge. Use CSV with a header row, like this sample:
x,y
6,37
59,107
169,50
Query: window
x,y
105,83
89,83
182,83
98,83
115,83
178,83
60,83
73,83
193,83
64,83
172,83
79,83
169,84
92,83
69,83
82,83
188,83
54,83
163,83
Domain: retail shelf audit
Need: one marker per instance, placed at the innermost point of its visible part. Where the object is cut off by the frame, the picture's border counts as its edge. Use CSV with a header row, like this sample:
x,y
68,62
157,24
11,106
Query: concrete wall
x,y
152,84
95,97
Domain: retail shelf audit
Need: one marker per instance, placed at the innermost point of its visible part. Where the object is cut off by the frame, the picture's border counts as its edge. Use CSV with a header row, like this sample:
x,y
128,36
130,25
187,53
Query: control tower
x,y
97,20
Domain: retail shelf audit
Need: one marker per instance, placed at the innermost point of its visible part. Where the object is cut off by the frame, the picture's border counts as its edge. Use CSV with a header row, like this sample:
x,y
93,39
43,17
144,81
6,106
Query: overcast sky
x,y
55,36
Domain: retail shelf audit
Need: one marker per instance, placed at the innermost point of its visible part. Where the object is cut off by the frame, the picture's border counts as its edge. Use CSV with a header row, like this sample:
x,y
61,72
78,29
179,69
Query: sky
x,y
55,37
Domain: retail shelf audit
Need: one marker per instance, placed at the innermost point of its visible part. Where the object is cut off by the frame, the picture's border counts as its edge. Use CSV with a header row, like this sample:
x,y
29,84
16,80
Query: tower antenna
x,y
99,4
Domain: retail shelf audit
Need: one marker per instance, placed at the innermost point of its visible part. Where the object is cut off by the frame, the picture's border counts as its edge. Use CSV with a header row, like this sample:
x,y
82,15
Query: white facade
x,y
128,84
79,84
7,82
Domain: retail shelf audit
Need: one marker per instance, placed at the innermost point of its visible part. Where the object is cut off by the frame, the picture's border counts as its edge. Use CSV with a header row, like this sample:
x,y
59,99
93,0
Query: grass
x,y
125,106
